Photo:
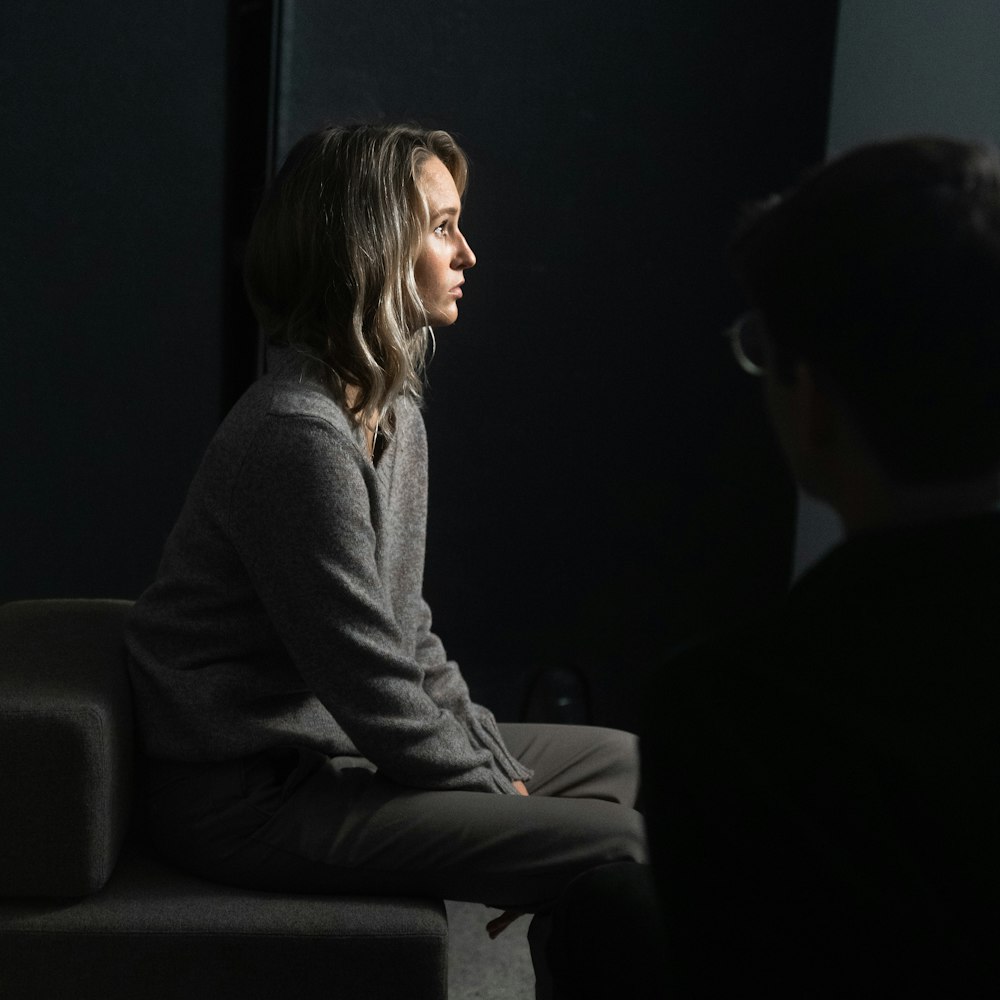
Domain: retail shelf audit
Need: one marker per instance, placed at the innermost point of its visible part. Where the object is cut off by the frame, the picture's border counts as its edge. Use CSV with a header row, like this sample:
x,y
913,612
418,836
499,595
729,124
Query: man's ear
x,y
815,417
807,422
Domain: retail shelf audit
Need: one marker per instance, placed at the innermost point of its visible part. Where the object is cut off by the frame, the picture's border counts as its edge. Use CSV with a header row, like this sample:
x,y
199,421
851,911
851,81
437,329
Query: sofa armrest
x,y
66,757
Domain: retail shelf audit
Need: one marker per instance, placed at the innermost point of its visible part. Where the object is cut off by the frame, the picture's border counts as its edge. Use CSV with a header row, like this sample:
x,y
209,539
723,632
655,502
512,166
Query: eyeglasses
x,y
746,338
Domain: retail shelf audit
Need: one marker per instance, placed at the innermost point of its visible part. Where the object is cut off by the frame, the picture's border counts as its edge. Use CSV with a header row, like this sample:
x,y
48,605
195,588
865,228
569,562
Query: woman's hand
x,y
519,788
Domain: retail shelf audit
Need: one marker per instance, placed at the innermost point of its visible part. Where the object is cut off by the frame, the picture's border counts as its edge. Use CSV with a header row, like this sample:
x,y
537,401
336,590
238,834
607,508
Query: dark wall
x,y
603,482
111,368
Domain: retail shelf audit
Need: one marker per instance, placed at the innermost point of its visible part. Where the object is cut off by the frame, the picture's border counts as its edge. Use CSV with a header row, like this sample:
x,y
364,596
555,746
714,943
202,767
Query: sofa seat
x,y
153,933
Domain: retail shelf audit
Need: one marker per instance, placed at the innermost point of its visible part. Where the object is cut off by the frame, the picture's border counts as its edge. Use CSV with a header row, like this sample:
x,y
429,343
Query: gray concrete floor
x,y
481,969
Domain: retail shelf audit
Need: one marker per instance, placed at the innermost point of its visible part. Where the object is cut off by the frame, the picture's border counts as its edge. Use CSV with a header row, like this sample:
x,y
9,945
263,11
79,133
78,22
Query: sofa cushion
x,y
65,745
156,933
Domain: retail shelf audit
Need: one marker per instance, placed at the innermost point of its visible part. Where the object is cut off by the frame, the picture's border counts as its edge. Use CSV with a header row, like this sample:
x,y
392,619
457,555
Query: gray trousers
x,y
296,820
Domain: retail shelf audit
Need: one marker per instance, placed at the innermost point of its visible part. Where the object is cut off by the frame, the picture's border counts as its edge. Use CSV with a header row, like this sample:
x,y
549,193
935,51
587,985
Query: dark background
x,y
603,482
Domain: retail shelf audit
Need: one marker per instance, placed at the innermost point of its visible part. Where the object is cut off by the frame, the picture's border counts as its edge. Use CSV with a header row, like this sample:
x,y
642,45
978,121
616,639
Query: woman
x,y
304,727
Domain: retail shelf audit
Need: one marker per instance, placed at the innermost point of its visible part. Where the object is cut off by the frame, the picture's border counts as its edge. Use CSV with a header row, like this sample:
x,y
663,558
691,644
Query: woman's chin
x,y
443,318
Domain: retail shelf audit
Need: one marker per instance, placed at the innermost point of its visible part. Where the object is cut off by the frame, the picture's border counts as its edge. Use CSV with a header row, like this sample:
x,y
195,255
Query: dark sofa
x,y
87,911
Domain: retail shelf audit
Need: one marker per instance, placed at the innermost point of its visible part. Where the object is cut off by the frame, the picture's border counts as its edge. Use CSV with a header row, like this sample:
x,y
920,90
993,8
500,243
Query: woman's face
x,y
444,254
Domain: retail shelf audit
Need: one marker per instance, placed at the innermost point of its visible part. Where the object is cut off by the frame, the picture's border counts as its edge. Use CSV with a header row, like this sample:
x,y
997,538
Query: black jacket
x,y
822,786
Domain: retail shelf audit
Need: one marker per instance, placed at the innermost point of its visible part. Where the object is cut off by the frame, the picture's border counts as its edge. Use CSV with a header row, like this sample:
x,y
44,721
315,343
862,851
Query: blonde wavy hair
x,y
329,265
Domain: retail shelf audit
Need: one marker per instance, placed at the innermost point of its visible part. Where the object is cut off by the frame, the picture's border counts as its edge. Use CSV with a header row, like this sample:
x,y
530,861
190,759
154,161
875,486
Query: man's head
x,y
880,277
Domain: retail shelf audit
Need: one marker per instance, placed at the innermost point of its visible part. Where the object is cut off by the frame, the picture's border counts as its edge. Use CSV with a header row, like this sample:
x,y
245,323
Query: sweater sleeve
x,y
301,520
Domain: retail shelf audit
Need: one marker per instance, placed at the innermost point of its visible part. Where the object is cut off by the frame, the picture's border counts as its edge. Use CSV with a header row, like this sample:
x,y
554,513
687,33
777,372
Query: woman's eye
x,y
440,228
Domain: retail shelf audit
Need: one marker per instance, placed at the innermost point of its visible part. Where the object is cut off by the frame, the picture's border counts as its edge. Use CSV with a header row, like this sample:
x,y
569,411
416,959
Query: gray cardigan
x,y
288,605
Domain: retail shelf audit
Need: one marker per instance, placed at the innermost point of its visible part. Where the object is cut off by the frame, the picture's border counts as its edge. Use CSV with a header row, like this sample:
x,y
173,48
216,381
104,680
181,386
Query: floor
x,y
481,969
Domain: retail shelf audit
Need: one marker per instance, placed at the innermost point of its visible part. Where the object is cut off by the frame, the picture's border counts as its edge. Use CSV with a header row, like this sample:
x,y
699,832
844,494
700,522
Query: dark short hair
x,y
882,270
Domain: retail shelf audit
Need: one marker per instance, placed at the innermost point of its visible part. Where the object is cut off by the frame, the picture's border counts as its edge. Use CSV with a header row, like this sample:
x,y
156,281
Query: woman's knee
x,y
634,844
618,746
617,834
618,754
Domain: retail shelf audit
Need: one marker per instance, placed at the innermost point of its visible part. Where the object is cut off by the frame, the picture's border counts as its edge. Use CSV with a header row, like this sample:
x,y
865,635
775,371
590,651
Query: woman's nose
x,y
466,258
